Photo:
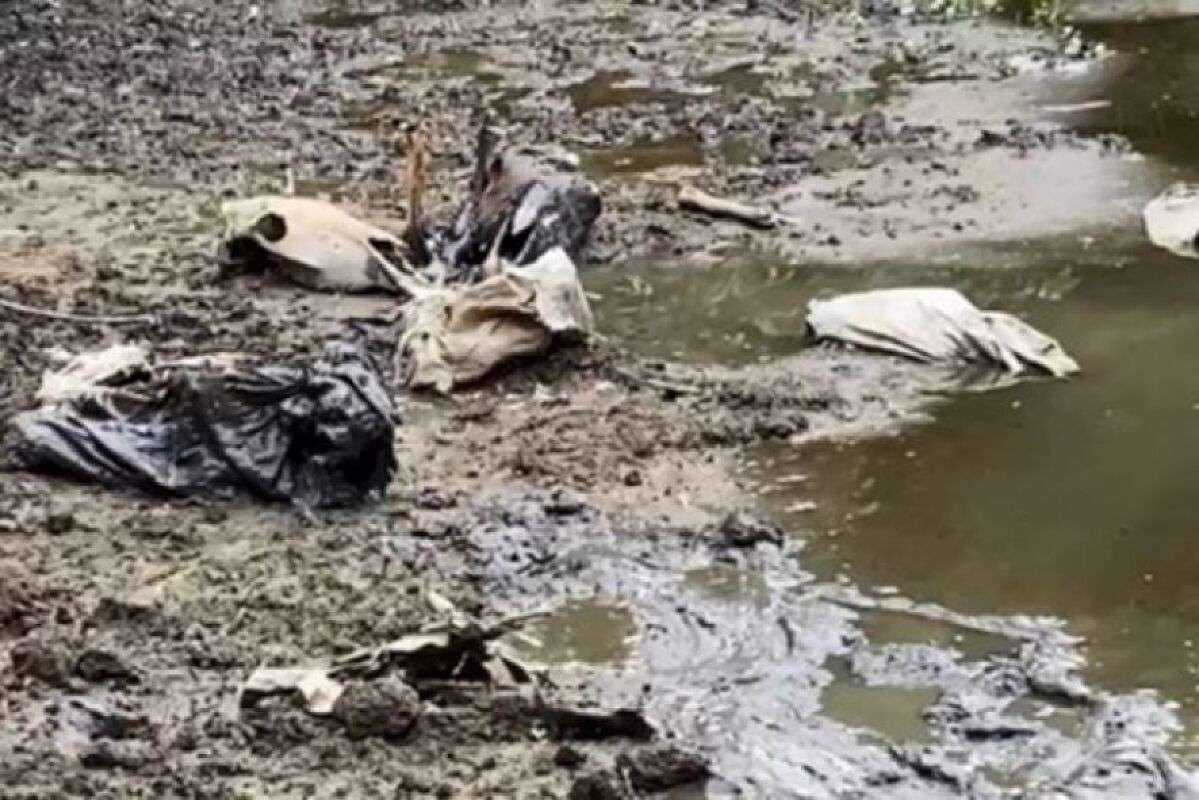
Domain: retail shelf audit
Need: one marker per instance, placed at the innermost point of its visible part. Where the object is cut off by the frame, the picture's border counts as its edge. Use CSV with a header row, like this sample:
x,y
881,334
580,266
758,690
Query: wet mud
x,y
697,653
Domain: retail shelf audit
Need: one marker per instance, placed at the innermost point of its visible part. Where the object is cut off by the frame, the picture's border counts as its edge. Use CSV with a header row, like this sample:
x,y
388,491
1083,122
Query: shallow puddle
x,y
615,89
448,63
343,14
886,626
337,19
890,712
729,584
645,156
582,632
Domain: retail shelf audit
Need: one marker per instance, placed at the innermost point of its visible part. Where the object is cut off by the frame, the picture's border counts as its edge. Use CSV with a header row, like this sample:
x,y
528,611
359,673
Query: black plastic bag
x,y
538,218
531,206
319,435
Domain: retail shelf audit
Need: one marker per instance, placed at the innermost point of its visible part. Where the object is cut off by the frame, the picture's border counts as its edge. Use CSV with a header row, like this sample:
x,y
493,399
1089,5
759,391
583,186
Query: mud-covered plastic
x,y
319,434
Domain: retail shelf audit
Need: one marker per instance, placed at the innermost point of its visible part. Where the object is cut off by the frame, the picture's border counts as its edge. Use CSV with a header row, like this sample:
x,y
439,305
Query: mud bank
x,y
596,484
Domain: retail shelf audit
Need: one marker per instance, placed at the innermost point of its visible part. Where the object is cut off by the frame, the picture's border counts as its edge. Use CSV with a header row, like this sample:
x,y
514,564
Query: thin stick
x,y
416,180
694,199
654,383
83,318
492,264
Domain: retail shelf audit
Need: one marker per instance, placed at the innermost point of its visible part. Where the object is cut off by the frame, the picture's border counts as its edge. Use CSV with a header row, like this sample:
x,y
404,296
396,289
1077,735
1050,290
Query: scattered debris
x,y
659,768
363,693
461,648
386,708
498,284
593,724
317,434
693,199
319,691
1172,220
937,326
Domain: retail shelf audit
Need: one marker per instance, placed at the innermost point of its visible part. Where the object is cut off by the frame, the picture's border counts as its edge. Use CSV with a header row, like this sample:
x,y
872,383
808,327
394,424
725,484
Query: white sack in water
x,y
456,335
315,243
937,326
1172,220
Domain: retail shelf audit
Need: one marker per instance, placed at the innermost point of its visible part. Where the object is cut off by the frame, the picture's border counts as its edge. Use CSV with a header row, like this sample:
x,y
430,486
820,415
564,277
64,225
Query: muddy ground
x,y
129,624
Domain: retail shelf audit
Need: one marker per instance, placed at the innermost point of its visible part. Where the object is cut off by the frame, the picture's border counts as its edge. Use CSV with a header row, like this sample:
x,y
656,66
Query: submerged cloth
x,y
316,434
1172,220
937,326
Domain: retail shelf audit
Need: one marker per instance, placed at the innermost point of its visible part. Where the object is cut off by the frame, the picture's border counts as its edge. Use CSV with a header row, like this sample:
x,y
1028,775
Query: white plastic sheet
x,y
935,325
1172,220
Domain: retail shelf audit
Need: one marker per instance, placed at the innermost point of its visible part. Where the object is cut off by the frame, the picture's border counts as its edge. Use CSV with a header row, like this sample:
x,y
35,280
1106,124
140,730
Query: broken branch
x,y
693,199
86,319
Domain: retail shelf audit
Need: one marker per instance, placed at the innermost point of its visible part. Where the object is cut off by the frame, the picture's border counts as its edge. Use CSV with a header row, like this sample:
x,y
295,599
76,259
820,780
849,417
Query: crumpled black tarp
x,y
319,435
541,218
532,206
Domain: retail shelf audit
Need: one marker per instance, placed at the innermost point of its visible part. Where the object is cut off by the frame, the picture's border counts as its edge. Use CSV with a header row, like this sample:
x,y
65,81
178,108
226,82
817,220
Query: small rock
x,y
430,498
58,524
411,786
568,757
742,530
104,754
596,786
95,665
564,502
387,708
99,718
16,607
631,477
662,767
187,739
49,662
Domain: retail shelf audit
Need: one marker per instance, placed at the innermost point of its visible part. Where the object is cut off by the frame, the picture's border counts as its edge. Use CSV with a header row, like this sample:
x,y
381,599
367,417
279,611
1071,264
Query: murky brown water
x,y
1067,498
1072,499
